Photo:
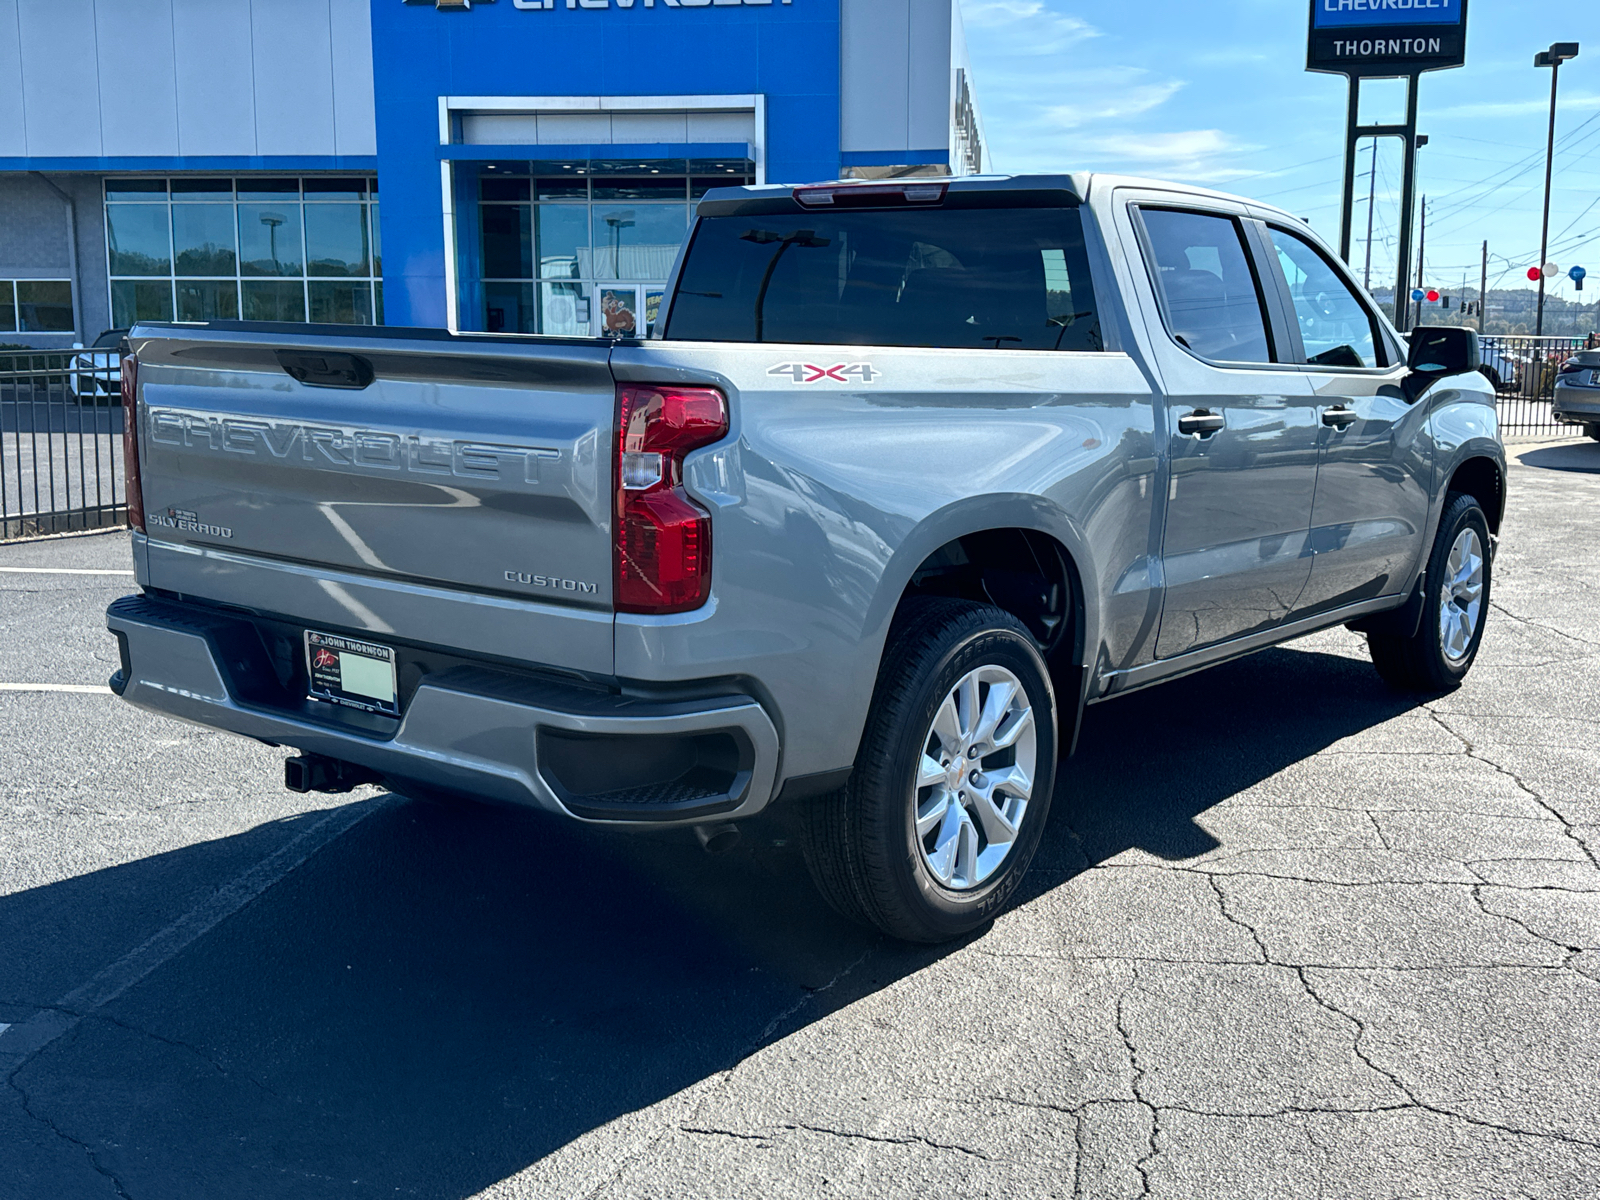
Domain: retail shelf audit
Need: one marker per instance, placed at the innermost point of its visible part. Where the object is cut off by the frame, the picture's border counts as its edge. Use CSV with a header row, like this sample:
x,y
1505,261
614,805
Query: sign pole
x,y
1394,39
1408,182
1347,195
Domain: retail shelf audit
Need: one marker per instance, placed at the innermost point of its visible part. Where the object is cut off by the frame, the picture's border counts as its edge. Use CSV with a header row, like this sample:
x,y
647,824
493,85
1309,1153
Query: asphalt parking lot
x,y
1289,935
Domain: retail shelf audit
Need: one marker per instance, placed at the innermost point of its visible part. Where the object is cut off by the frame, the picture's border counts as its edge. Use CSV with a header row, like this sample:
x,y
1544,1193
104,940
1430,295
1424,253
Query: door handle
x,y
1338,416
1201,422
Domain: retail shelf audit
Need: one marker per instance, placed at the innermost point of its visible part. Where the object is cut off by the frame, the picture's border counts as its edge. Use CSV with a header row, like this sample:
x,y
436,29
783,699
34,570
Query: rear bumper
x,y
1577,405
576,751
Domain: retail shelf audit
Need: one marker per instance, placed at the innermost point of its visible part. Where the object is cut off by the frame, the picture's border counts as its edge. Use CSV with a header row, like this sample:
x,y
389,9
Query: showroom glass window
x,y
584,247
35,306
257,248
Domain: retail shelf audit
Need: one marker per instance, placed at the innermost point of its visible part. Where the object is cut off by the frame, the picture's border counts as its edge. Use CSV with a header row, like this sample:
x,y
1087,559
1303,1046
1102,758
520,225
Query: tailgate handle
x,y
316,368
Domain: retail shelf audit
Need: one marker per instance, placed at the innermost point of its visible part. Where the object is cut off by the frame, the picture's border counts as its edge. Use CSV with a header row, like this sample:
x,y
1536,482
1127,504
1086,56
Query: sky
x,y
1217,94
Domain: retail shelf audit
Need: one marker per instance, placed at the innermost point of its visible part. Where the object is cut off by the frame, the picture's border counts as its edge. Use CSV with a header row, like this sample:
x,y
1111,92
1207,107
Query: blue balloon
x,y
1418,294
1576,274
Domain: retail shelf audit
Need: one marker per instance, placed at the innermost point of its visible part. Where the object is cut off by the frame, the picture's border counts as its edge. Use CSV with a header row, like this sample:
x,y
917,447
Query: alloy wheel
x,y
1461,595
975,777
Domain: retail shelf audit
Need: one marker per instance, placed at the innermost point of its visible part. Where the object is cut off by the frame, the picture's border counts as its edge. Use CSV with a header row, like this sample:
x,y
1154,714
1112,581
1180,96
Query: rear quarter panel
x,y
827,497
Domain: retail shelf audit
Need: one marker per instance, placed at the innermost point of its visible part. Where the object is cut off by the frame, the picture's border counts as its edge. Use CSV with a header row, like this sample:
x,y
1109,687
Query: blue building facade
x,y
538,159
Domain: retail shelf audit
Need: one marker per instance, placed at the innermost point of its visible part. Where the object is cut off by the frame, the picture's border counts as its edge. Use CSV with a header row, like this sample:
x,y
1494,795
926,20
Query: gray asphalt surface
x,y
1289,935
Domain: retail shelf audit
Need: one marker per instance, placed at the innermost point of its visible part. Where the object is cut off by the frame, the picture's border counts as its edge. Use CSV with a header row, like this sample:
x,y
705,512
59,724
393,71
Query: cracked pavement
x,y
1288,934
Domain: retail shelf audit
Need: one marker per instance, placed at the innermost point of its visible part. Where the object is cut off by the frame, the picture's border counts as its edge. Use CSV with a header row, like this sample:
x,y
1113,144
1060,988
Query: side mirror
x,y
1437,351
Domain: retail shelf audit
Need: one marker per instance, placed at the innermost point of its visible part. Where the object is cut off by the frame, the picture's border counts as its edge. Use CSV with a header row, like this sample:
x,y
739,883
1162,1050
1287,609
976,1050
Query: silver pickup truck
x,y
906,475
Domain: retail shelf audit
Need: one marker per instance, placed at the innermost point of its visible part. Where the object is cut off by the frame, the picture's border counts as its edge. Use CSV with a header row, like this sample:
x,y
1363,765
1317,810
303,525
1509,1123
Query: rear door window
x,y
1209,293
971,279
1335,327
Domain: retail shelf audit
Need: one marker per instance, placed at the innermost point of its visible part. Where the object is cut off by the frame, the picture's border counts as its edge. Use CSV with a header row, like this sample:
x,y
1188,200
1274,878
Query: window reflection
x,y
340,303
202,239
269,239
207,300
199,248
336,239
139,240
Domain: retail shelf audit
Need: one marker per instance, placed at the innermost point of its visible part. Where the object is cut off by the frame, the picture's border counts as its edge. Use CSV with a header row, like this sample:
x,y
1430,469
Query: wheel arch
x,y
1013,552
1482,478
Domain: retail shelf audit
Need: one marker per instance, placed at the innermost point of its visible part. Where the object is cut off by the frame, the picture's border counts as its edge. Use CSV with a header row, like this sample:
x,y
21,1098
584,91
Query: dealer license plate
x,y
353,673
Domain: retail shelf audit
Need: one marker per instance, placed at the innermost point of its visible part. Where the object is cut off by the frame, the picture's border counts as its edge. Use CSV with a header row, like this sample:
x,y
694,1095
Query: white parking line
x,y
59,571
92,689
21,1041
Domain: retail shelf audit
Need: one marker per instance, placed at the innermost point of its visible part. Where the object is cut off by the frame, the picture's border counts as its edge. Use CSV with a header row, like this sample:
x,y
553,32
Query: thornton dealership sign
x,y
1386,37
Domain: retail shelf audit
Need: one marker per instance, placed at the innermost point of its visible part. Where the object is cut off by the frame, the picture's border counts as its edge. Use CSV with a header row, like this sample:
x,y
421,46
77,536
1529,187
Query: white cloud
x,y
1193,155
1028,27
1043,74
1111,104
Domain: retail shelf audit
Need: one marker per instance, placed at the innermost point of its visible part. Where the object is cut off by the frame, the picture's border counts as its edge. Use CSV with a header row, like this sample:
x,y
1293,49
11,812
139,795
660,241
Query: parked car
x,y
94,377
1500,367
1577,392
908,475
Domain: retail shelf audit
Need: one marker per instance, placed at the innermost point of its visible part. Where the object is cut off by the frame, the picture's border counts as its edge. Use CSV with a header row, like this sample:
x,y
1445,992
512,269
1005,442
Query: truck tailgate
x,y
461,498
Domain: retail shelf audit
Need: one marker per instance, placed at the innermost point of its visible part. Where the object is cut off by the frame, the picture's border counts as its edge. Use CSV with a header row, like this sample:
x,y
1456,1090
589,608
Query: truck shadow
x,y
1151,762
443,997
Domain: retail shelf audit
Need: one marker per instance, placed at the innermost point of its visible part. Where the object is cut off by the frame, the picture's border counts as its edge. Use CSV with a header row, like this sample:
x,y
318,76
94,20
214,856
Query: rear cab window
x,y
968,278
1210,297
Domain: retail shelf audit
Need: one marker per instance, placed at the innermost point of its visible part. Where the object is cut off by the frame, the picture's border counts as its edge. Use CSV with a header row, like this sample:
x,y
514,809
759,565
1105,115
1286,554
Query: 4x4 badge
x,y
838,373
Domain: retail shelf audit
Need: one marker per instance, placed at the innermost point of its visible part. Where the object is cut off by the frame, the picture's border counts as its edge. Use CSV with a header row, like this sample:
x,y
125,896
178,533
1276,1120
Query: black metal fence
x,y
61,427
60,442
1523,370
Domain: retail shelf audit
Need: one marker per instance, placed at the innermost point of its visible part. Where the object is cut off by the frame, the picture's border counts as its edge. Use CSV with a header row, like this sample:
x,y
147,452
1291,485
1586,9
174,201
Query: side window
x,y
1335,326
1208,289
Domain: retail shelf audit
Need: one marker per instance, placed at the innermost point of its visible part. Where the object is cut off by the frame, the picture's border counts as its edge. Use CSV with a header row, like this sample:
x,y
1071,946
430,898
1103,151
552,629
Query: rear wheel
x,y
945,808
1455,592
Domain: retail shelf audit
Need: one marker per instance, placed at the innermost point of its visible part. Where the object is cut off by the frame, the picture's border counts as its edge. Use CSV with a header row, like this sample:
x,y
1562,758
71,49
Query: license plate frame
x,y
326,670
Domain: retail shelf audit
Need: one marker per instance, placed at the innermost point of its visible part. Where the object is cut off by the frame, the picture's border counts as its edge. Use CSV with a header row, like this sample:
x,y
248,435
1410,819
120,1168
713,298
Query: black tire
x,y
1593,430
861,842
1420,663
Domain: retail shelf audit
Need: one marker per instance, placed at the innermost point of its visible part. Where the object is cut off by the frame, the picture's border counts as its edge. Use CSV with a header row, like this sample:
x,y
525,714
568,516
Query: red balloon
x,y
1432,295
1534,273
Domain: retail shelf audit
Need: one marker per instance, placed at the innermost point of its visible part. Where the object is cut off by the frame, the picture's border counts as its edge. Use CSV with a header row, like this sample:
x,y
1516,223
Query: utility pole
x,y
1422,249
1558,53
1483,284
1372,187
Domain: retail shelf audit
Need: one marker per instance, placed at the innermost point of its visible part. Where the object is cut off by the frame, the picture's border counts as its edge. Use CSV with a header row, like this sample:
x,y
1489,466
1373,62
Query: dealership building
x,y
501,165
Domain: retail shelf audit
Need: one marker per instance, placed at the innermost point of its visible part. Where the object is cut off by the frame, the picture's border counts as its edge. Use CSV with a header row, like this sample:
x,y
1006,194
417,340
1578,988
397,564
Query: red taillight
x,y
134,493
663,539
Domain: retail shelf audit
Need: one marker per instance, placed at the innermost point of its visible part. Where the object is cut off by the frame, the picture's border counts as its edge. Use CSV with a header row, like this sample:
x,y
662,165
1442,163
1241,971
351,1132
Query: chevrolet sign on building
x,y
538,160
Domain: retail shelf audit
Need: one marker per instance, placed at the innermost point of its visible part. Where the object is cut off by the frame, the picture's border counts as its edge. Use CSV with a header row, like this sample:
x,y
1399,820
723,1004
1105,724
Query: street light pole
x,y
1558,53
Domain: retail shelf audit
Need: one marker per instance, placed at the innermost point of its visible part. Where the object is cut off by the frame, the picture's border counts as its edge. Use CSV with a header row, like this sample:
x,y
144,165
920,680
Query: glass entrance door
x,y
580,248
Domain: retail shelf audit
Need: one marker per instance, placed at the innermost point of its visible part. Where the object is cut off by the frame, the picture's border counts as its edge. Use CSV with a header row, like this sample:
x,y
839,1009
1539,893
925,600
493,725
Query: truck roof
x,y
1071,187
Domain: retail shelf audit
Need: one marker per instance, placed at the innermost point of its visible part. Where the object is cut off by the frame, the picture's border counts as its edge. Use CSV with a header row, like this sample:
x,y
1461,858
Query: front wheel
x,y
1455,592
944,810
